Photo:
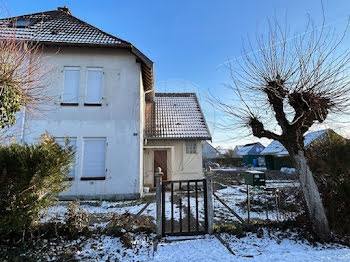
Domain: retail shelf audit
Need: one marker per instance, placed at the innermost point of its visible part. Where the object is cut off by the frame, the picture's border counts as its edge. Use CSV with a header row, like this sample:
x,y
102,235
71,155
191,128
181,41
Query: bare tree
x,y
23,76
285,86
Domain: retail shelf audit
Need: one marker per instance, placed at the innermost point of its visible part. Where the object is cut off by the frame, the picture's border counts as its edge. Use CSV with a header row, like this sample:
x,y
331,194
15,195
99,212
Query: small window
x,y
94,159
71,85
94,86
73,143
191,148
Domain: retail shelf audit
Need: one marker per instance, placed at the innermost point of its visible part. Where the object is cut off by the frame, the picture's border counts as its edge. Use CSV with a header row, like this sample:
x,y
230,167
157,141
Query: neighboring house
x,y
104,101
249,152
208,151
223,152
276,156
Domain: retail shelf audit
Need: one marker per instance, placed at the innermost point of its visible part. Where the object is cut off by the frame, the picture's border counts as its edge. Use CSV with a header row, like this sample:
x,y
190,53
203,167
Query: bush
x,y
31,176
77,220
329,161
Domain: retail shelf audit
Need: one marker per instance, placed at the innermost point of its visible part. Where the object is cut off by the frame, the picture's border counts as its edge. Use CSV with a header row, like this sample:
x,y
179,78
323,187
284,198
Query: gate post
x,y
210,203
158,176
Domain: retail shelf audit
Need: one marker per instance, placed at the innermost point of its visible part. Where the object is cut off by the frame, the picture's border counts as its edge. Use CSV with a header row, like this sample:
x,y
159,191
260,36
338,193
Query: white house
x,y
104,101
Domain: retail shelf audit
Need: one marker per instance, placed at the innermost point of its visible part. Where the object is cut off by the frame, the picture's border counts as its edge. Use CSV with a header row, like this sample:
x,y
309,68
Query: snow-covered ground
x,y
232,195
266,247
235,195
209,248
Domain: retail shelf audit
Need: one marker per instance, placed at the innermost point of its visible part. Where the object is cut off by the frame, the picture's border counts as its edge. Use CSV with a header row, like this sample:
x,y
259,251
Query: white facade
x,y
118,120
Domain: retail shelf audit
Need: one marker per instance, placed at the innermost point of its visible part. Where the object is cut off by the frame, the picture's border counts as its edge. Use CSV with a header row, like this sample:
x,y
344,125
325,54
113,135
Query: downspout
x,y
23,124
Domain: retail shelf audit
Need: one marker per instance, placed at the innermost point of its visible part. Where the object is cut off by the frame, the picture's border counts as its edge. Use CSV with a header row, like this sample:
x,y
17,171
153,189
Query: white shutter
x,y
72,143
94,86
94,157
71,84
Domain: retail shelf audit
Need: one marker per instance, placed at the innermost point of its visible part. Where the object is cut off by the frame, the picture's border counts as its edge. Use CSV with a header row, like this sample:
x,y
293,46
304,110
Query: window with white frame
x,y
71,85
73,143
191,147
94,86
94,158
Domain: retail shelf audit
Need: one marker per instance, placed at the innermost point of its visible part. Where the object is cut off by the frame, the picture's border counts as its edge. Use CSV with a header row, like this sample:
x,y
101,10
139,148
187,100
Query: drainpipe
x,y
23,124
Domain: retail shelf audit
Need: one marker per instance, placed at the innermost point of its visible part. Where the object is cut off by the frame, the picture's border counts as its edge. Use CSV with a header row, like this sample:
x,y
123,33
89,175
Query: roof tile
x,y
175,116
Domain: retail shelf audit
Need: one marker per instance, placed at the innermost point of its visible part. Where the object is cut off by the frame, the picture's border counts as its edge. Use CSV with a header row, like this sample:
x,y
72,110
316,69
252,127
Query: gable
x,y
60,28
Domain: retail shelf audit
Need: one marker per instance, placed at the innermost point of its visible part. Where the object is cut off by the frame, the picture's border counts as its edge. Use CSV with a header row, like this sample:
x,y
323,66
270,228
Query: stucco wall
x,y
119,119
180,165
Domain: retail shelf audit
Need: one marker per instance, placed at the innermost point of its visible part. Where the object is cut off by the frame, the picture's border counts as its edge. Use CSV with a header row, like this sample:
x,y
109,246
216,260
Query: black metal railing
x,y
186,189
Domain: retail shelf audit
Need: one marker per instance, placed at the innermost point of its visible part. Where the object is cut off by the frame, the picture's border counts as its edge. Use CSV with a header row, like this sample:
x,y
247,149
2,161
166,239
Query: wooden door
x,y
160,160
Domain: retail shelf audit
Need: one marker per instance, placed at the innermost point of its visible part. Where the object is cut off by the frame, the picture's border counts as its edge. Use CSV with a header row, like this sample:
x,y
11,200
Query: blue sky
x,y
190,40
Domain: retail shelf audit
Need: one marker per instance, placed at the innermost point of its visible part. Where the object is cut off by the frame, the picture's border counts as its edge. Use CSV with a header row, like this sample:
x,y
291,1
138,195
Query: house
x,y
175,127
104,101
249,152
208,151
276,156
224,152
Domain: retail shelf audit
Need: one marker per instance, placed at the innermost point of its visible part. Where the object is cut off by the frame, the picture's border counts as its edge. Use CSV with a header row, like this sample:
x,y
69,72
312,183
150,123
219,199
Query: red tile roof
x,y
175,116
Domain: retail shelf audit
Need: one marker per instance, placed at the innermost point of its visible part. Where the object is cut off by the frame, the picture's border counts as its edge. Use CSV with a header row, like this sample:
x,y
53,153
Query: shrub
x,y
77,220
31,176
329,160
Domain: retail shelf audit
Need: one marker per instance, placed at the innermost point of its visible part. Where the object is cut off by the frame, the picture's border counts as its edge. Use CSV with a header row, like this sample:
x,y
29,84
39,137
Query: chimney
x,y
64,9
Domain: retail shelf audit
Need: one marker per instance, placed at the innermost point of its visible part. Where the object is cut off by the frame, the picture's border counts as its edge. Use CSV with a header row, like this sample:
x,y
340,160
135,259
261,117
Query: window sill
x,y
69,104
91,104
92,178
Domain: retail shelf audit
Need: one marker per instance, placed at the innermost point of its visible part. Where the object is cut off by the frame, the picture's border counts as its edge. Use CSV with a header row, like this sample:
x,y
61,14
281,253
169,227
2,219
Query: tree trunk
x,y
312,197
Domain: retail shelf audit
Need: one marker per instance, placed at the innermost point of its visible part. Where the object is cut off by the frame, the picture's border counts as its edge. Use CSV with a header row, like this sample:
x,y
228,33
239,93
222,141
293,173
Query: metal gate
x,y
184,196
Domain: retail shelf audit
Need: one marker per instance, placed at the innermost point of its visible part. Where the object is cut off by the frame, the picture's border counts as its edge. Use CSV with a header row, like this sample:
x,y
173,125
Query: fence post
x,y
210,203
158,176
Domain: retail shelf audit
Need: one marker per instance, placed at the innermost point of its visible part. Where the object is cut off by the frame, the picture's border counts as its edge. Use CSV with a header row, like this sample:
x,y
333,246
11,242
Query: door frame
x,y
171,158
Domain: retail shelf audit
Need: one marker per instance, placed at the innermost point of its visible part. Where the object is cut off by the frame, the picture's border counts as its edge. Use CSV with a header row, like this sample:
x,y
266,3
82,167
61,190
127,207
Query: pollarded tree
x,y
285,86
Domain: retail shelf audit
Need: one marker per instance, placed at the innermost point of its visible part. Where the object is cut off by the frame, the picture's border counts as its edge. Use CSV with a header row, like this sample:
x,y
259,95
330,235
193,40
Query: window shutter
x,y
71,84
72,143
94,157
94,86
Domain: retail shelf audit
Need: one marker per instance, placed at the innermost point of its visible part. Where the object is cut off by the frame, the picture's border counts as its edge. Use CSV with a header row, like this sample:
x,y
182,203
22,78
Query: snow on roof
x,y
175,116
276,148
244,150
223,151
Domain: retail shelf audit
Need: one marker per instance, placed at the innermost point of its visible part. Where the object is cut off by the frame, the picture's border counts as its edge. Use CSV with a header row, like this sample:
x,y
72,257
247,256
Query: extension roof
x,y
175,116
60,28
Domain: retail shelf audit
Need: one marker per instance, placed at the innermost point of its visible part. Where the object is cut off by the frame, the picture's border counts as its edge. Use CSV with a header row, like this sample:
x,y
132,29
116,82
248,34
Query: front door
x,y
160,160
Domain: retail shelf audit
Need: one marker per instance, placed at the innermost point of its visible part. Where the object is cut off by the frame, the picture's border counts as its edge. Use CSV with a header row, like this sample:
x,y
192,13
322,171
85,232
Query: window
x,y
72,143
94,159
71,86
191,148
94,86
